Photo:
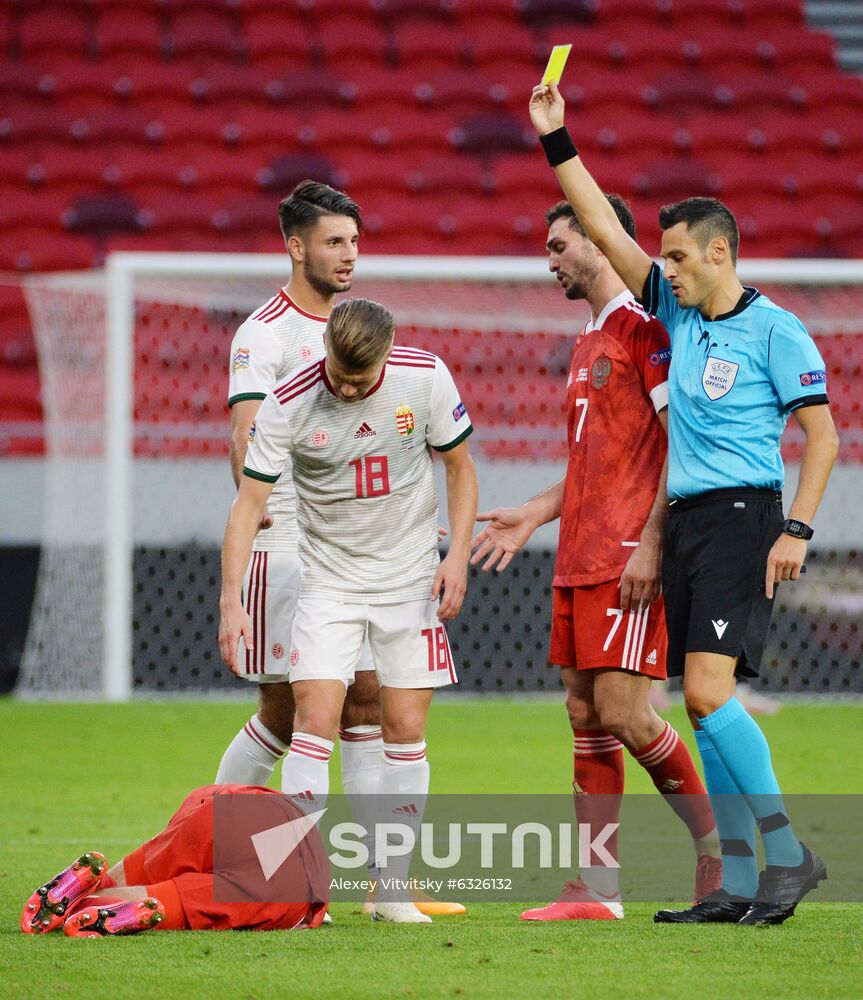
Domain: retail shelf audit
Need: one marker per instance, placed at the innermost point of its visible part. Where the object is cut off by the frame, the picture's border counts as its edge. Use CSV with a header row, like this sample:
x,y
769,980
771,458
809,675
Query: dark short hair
x,y
309,201
563,210
705,219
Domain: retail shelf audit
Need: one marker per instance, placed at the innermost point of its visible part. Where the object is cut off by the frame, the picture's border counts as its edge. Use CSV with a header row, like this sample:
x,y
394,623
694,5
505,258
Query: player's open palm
x,y
507,531
234,623
546,109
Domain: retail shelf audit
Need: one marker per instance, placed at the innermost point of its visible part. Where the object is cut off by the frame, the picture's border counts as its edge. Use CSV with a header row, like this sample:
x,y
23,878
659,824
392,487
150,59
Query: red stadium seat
x,y
494,44
372,174
671,180
211,32
492,134
102,212
833,92
683,92
343,131
422,132
128,29
280,35
40,209
460,92
175,212
252,213
349,43
53,30
396,12
430,47
453,172
287,170
545,15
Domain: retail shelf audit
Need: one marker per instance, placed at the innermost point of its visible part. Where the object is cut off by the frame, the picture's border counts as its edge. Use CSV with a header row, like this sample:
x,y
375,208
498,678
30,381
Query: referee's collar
x,y
749,295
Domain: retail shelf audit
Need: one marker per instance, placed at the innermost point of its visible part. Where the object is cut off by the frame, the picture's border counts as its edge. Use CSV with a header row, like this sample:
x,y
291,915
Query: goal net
x,y
134,366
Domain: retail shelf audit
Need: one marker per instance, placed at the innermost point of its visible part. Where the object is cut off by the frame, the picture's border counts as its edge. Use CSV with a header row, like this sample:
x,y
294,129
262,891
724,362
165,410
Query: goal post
x,y
134,366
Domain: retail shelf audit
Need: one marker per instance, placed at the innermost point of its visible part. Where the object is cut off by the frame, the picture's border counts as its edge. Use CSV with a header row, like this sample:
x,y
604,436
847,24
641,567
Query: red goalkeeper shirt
x,y
617,384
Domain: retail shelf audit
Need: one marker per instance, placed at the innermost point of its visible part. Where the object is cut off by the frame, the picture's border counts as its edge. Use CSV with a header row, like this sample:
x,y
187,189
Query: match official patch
x,y
240,359
813,378
662,357
459,411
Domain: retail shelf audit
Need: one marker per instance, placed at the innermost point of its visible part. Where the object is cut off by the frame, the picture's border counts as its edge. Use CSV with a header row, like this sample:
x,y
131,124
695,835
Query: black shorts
x,y
713,567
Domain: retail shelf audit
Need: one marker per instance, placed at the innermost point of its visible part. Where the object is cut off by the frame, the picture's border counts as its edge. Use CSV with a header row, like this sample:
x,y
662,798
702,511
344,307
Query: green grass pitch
x,y
78,777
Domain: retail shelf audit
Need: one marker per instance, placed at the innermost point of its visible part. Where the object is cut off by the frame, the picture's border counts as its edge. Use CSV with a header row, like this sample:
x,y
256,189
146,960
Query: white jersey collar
x,y
610,307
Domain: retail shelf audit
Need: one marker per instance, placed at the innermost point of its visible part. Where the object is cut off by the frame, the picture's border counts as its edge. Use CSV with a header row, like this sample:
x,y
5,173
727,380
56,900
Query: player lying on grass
x,y
359,427
167,882
740,364
608,631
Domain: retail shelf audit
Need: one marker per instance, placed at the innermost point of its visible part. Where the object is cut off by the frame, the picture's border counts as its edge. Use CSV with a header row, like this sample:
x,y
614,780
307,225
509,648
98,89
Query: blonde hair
x,y
360,333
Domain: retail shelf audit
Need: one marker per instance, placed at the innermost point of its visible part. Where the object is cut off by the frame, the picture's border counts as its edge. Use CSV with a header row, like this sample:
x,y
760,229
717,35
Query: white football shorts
x,y
409,646
271,589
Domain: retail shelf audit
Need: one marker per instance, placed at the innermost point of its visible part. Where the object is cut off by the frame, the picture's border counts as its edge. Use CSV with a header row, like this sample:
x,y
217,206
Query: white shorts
x,y
409,645
271,588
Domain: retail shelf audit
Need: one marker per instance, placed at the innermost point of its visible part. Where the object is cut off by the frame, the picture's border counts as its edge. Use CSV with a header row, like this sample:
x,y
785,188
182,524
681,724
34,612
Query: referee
x,y
740,365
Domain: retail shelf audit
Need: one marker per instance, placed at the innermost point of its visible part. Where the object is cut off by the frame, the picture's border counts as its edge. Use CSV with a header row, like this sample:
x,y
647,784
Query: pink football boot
x,y
46,909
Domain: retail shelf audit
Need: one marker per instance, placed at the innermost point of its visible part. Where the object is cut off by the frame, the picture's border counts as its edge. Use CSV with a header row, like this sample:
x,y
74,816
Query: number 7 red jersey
x,y
618,383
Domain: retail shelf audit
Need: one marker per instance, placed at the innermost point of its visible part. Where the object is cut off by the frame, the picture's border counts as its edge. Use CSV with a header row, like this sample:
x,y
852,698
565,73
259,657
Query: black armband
x,y
558,146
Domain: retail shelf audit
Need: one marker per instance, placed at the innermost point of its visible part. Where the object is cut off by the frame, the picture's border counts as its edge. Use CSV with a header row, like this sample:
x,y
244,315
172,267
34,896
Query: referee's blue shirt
x,y
732,383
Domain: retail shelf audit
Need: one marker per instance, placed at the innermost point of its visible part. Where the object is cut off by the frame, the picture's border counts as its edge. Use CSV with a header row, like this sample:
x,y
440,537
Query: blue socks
x,y
734,820
743,750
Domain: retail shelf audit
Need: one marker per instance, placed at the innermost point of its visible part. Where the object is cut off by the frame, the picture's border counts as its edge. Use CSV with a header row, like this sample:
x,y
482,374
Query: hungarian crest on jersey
x,y
405,420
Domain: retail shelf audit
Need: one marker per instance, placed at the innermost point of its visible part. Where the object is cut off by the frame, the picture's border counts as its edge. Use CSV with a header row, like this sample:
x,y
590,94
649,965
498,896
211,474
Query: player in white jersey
x,y
359,427
321,228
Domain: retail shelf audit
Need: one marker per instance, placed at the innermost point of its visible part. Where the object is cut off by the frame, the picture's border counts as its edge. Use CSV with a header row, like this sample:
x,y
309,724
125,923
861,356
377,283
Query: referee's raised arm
x,y
582,192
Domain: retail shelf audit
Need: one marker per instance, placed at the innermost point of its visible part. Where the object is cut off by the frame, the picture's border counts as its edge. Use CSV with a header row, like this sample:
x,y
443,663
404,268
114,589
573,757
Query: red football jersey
x,y
617,384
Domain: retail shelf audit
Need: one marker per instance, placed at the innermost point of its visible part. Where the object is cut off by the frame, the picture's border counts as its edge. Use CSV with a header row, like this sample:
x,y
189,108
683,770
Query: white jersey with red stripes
x,y
367,501
275,340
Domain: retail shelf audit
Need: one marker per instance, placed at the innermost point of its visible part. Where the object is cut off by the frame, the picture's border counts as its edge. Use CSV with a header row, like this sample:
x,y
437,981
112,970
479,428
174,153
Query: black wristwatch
x,y
798,529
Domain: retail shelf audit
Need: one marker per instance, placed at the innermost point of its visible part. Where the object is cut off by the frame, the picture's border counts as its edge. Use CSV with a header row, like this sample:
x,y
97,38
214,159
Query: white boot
x,y
399,913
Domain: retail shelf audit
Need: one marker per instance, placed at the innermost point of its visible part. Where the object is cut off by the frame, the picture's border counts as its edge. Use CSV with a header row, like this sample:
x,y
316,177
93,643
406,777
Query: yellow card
x,y
556,62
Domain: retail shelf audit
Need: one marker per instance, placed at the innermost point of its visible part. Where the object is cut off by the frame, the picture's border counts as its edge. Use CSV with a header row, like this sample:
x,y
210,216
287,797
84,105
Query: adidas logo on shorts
x,y
365,431
651,657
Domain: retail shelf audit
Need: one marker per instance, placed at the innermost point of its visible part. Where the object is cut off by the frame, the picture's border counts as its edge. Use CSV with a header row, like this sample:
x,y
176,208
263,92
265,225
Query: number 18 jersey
x,y
367,503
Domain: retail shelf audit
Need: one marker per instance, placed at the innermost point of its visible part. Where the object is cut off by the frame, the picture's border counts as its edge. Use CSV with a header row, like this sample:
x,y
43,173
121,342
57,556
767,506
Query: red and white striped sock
x,y
598,785
671,768
306,771
251,756
404,787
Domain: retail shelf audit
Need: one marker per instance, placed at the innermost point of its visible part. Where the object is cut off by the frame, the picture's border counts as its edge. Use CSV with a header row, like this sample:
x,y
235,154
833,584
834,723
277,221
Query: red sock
x,y
598,771
671,769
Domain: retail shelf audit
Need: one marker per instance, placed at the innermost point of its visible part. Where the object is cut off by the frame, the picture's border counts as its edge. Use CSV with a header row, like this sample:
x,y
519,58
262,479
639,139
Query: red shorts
x,y
590,631
176,866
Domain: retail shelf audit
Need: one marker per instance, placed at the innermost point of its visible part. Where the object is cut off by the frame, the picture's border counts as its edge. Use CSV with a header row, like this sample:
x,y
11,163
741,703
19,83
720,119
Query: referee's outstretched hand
x,y
784,561
546,109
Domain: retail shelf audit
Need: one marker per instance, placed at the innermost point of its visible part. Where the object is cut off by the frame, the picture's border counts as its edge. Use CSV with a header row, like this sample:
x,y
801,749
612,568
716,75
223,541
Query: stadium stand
x,y
165,125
